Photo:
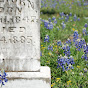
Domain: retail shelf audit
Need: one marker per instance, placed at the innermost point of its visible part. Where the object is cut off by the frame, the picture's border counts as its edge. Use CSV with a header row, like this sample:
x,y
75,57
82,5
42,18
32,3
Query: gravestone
x,y
20,44
19,35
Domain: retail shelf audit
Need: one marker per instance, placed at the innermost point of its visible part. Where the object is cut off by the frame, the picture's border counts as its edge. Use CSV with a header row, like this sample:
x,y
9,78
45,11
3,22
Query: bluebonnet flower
x,y
65,63
48,25
3,78
70,14
61,62
66,19
85,69
66,49
86,25
66,60
79,44
70,7
63,25
46,22
75,36
68,41
85,55
59,43
86,49
85,4
62,14
78,19
54,5
53,18
49,19
42,20
84,46
69,67
67,16
84,31
55,21
45,5
79,3
83,41
62,17
40,53
71,60
50,47
46,39
75,17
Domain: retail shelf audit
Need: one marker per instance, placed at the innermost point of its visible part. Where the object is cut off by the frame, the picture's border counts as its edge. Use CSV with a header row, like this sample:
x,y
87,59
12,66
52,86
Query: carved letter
x,y
19,9
33,18
11,29
22,29
22,2
31,4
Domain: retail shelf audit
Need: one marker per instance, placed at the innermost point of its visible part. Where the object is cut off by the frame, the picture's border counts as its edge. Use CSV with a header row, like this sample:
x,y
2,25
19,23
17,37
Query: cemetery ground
x,y
64,48
55,44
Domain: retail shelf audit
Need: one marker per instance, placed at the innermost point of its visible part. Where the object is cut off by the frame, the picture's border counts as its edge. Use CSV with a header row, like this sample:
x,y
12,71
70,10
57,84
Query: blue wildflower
x,y
63,25
3,78
49,19
46,39
62,14
86,25
40,53
78,19
70,14
48,25
75,36
59,43
66,49
65,63
78,44
66,19
55,21
50,47
67,16
68,41
84,31
53,18
85,55
75,17
71,60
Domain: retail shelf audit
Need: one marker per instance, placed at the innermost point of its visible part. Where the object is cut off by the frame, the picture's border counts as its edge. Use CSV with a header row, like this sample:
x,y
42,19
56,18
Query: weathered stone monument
x,y
20,44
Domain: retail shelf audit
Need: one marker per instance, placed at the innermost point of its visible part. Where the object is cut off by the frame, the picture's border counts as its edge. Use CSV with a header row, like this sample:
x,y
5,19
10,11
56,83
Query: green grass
x,y
65,79
75,8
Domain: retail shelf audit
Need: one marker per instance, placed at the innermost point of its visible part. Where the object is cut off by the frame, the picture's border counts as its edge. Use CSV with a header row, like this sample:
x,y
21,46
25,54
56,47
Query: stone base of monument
x,y
40,79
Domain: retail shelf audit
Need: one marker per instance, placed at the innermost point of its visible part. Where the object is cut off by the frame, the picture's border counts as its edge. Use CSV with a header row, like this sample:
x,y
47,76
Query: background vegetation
x,y
64,42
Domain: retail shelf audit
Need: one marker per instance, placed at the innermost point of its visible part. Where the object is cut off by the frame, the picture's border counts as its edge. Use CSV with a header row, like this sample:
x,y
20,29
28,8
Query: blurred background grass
x,y
78,7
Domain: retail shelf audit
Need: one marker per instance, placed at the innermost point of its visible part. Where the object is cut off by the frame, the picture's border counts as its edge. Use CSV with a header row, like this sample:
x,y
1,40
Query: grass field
x,y
64,45
78,7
